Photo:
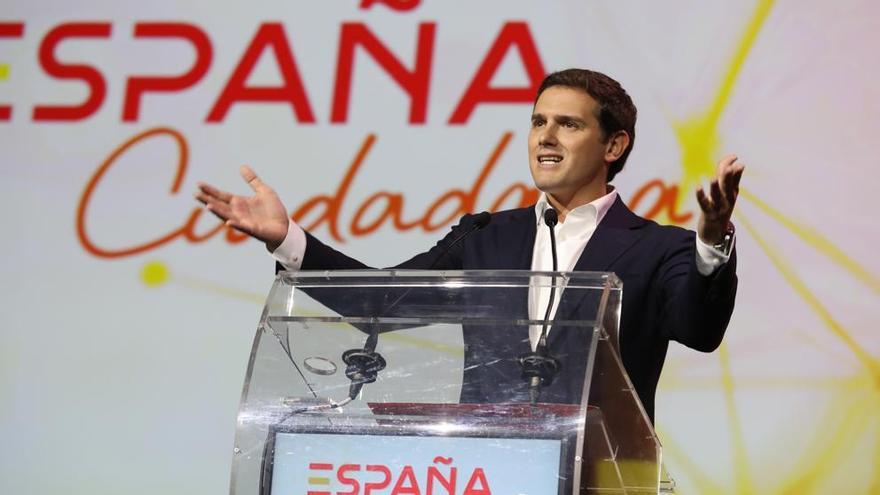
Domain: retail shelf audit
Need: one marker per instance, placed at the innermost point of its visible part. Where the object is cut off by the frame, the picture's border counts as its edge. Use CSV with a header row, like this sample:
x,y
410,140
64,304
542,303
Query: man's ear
x,y
617,144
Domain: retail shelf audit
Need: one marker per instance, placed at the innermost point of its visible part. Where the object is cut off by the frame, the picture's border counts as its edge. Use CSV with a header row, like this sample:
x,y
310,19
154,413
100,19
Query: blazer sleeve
x,y
695,308
444,255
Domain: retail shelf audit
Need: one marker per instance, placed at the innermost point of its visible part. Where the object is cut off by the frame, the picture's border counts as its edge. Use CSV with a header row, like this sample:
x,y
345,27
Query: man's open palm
x,y
262,216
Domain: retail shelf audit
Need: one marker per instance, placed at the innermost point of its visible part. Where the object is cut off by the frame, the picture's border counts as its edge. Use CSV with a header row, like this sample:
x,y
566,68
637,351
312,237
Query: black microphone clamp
x,y
539,368
363,366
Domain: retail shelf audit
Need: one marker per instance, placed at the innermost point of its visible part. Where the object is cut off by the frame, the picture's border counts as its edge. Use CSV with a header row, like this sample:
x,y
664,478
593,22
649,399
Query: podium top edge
x,y
604,280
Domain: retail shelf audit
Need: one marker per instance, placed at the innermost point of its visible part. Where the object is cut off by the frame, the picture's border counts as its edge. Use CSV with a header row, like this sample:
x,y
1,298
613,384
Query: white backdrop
x,y
121,363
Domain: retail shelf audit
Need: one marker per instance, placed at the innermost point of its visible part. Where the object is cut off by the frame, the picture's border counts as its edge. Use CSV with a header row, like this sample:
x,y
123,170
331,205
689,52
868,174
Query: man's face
x,y
567,155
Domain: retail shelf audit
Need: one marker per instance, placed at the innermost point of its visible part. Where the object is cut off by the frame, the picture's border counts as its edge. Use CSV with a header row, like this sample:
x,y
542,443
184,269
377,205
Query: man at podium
x,y
679,285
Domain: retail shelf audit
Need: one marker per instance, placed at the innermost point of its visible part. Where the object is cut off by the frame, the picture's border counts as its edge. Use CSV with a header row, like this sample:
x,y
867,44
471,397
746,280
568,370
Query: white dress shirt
x,y
572,237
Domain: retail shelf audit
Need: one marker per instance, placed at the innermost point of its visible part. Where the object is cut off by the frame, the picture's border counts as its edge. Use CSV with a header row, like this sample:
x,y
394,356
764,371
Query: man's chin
x,y
546,186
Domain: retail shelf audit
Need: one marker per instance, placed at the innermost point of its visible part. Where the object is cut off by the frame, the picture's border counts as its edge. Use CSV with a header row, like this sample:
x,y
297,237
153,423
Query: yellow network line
x,y
829,448
699,142
818,241
791,276
156,273
703,481
875,480
759,15
219,289
742,475
698,136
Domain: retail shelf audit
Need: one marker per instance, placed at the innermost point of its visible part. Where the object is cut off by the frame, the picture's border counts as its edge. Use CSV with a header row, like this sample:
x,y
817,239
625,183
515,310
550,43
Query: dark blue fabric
x,y
664,297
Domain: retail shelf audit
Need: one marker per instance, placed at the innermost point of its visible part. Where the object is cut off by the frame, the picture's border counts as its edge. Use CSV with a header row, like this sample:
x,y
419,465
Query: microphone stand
x,y
539,367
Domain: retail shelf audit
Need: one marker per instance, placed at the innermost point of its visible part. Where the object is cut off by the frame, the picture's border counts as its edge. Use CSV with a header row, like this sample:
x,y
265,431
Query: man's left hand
x,y
717,205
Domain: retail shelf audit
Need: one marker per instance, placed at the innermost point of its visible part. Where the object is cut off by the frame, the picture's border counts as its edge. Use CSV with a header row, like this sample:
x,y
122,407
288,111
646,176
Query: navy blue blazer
x,y
664,296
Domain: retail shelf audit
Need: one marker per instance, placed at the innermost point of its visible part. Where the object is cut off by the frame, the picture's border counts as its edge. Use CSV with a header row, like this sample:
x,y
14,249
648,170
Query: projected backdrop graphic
x,y
130,310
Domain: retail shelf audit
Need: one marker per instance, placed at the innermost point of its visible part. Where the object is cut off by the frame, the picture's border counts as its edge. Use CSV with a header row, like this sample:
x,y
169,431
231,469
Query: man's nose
x,y
548,136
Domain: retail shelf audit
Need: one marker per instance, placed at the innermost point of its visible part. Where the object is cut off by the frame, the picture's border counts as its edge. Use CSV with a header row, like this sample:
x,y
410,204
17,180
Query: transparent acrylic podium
x,y
403,382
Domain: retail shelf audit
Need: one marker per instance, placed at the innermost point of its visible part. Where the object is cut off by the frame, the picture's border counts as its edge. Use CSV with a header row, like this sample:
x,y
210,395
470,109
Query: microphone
x,y
550,219
480,220
363,365
539,367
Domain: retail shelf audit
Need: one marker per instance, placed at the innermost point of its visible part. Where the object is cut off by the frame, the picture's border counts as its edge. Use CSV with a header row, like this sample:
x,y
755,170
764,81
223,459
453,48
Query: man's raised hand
x,y
717,206
261,216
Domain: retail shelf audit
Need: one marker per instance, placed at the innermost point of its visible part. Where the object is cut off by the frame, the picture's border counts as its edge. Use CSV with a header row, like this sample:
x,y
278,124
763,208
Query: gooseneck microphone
x,y
363,365
539,367
550,219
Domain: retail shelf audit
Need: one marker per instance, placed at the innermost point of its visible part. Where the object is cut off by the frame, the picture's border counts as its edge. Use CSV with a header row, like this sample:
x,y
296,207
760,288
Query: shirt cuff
x,y
291,251
709,259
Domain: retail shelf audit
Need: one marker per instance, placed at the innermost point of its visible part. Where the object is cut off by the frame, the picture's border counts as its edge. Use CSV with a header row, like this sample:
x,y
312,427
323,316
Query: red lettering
x,y
269,36
415,82
9,30
666,202
234,236
386,480
513,34
466,200
187,230
454,194
393,209
394,202
345,480
82,208
478,476
406,483
86,73
138,85
448,483
399,5
333,204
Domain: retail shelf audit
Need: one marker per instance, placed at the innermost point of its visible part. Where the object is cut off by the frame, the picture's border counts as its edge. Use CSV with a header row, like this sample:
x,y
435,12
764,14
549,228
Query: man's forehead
x,y
562,100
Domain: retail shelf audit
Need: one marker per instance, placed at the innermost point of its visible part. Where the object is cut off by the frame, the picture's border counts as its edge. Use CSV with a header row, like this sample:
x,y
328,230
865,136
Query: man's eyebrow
x,y
570,118
560,118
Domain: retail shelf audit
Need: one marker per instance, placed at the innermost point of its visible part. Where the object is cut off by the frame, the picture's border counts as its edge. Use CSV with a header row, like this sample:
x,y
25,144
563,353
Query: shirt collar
x,y
599,205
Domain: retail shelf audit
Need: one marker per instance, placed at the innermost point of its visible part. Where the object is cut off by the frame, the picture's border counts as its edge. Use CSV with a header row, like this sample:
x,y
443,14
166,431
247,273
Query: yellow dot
x,y
155,273
4,71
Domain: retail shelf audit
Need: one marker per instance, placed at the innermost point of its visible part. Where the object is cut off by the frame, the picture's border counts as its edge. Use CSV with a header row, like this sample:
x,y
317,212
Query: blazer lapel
x,y
517,239
613,236
618,231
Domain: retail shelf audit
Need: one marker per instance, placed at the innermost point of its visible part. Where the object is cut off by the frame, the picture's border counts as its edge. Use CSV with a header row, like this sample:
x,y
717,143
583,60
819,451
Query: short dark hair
x,y
616,109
